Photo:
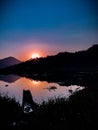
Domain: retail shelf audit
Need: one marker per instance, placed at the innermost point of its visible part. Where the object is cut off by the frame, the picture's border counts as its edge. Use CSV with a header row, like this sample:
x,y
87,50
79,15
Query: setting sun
x,y
35,55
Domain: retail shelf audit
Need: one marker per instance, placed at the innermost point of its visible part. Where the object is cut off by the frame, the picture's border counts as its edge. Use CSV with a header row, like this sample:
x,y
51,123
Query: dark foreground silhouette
x,y
28,104
80,112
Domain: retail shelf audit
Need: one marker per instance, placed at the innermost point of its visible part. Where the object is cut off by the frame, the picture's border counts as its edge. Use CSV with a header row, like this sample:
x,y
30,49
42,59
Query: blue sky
x,y
48,26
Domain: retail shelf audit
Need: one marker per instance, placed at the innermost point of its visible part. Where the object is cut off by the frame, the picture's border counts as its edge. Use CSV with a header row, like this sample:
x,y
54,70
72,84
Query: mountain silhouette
x,y
85,60
9,61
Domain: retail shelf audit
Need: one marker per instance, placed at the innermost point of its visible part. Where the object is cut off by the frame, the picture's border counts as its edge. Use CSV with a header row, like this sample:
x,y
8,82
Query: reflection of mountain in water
x,y
9,78
81,79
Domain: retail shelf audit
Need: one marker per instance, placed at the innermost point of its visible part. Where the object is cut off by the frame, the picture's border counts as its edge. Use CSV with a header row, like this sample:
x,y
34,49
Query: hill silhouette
x,y
85,60
9,61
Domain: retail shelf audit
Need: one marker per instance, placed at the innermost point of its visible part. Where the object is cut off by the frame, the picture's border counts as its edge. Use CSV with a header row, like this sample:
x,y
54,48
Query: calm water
x,y
41,90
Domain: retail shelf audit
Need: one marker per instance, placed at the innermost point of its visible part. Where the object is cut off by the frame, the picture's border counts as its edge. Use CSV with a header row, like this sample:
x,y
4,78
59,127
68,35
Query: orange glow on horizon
x,y
35,55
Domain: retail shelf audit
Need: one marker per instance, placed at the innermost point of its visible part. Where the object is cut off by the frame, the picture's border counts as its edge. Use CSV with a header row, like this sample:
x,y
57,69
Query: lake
x,y
13,86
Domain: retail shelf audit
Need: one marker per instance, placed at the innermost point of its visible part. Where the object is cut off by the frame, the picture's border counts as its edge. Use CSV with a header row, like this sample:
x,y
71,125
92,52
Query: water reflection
x,y
9,78
35,82
40,90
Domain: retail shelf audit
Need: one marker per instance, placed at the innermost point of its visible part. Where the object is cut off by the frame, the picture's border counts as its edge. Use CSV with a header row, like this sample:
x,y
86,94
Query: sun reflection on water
x,y
40,90
35,82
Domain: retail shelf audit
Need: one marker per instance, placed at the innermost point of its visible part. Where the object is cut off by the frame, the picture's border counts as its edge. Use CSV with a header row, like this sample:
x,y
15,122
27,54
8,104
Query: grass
x,y
9,111
80,112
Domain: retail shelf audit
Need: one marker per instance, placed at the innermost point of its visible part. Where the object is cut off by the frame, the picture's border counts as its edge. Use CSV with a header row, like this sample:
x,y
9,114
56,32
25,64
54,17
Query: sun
x,y
35,55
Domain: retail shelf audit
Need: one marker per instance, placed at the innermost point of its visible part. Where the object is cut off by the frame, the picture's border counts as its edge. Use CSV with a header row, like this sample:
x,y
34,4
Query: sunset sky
x,y
46,26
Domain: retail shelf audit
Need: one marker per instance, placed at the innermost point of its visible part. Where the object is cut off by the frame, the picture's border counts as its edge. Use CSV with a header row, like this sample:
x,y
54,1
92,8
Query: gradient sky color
x,y
46,26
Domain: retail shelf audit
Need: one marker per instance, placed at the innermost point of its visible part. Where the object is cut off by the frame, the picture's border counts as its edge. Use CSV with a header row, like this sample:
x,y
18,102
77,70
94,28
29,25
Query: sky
x,y
46,26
